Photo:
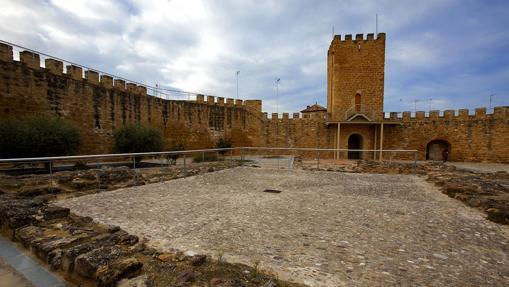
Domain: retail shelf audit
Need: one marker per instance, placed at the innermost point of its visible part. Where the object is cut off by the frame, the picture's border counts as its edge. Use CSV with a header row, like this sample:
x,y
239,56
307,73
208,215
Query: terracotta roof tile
x,y
314,108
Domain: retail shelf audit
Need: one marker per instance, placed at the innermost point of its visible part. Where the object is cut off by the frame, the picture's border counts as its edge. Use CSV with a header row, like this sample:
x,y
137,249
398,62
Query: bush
x,y
206,157
38,137
136,138
223,143
173,157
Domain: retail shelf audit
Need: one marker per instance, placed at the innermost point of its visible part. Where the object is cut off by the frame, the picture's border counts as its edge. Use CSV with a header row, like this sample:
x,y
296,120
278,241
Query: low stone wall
x,y
85,181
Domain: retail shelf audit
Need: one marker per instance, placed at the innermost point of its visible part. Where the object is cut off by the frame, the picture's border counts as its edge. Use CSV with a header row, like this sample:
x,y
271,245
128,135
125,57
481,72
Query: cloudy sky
x,y
454,52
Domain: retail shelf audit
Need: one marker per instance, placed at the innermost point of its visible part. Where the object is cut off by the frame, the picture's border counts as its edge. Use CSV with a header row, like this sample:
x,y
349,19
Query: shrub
x,y
173,157
205,157
136,138
38,137
223,143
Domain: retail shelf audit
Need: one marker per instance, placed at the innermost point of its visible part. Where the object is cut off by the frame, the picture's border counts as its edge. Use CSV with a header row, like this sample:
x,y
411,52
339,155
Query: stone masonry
x,y
99,104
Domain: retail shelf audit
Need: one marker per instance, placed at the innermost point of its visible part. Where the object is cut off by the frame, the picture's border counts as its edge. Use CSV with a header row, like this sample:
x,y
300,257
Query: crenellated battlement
x,y
501,112
281,117
79,73
33,60
252,105
99,103
359,38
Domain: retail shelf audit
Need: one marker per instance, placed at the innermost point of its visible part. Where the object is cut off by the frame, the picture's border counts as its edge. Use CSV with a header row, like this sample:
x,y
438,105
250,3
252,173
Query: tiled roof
x,y
314,108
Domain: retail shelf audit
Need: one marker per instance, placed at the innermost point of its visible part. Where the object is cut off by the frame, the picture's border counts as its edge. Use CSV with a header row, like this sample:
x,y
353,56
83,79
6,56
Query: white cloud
x,y
436,49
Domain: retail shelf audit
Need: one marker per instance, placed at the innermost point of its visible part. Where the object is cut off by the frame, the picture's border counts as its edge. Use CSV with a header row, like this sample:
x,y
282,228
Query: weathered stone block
x,y
142,90
119,84
110,274
54,66
54,212
434,115
86,265
131,88
480,113
75,72
106,81
92,77
448,114
30,59
406,116
6,53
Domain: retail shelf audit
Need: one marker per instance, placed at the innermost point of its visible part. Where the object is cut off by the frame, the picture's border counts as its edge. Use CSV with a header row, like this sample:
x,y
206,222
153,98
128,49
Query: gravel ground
x,y
323,229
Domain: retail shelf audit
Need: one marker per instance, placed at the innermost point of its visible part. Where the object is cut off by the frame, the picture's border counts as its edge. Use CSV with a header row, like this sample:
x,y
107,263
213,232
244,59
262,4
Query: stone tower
x,y
355,77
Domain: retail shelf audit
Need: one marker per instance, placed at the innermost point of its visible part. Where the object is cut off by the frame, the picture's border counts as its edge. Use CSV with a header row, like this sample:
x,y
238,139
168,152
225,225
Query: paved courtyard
x,y
323,229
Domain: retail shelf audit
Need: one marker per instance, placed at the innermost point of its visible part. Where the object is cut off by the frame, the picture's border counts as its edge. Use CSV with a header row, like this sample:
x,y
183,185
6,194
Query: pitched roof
x,y
314,108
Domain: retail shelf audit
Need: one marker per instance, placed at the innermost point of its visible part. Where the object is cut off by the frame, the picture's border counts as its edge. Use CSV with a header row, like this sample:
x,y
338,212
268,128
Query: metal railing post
x,y
415,163
202,156
50,176
98,177
318,159
231,158
134,170
161,163
185,170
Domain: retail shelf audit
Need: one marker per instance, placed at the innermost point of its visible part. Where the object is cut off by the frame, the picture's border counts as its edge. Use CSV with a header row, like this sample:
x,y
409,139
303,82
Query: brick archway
x,y
435,148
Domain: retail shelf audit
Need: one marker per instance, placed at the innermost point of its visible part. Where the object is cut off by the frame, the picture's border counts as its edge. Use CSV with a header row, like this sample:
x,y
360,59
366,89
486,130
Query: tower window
x,y
357,102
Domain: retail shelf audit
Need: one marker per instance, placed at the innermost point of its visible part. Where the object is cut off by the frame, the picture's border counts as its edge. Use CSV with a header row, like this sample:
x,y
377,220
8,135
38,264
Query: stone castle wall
x,y
99,104
478,137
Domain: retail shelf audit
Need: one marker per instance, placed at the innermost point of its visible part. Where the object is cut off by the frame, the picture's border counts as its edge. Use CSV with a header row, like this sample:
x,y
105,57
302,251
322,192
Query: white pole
x,y
238,72
376,25
277,95
491,96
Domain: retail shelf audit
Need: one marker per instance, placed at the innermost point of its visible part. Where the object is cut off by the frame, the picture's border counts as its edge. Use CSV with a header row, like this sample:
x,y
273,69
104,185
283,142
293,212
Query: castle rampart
x,y
98,104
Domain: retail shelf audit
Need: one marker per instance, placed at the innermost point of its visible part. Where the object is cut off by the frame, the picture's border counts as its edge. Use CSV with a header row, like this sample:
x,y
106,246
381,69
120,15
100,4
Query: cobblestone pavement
x,y
323,229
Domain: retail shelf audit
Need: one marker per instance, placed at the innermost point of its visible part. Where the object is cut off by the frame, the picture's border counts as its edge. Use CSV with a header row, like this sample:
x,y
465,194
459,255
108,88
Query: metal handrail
x,y
149,87
56,158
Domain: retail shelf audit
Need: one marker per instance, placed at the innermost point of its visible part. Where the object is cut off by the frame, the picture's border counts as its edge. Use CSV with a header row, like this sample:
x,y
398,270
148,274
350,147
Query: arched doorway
x,y
354,142
435,148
